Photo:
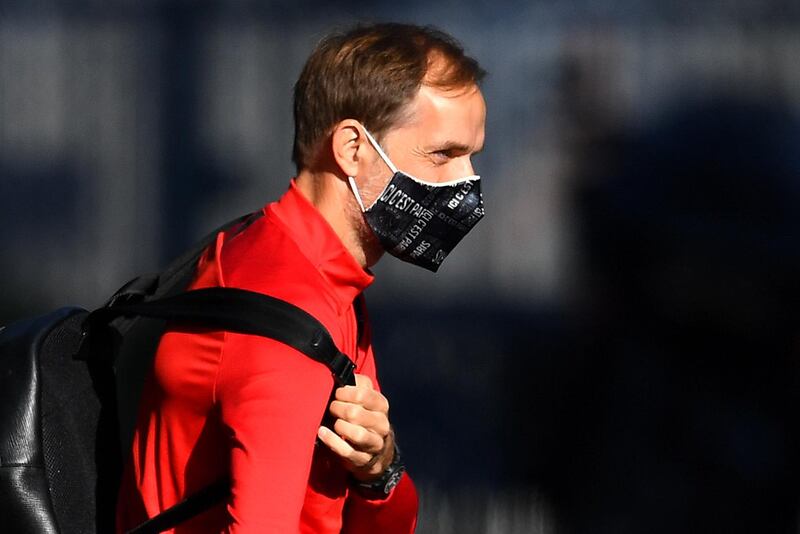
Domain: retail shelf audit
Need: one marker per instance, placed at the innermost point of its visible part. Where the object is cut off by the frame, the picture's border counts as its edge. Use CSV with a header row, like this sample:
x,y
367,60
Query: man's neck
x,y
335,202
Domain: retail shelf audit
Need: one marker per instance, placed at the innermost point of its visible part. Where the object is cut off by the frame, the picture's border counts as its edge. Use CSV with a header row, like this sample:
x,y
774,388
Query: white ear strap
x,y
352,182
380,151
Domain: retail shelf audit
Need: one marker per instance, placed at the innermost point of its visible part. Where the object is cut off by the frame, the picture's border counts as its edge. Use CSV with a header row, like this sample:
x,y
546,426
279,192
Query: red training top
x,y
219,403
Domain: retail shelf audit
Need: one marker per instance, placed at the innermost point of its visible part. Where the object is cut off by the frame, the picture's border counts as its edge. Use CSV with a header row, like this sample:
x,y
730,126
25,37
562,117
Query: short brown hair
x,y
369,74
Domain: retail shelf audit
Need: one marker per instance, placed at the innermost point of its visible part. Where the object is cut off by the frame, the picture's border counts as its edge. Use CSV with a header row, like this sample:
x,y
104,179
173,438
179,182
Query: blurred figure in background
x,y
684,413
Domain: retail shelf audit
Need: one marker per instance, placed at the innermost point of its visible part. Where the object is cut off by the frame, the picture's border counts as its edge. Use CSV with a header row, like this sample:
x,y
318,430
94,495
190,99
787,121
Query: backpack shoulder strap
x,y
191,506
243,312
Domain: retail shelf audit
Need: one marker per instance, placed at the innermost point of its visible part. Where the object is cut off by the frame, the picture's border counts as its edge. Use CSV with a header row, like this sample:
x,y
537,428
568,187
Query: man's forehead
x,y
454,117
445,98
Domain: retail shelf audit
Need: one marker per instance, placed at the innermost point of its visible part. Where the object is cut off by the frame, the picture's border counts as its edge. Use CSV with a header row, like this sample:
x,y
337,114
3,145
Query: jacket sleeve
x,y
272,429
396,514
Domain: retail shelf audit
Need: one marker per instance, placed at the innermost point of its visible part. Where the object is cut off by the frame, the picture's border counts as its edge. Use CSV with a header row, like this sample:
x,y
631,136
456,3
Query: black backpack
x,y
70,383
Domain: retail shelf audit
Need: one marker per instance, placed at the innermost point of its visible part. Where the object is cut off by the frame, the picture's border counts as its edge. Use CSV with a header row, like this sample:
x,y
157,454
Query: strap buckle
x,y
343,370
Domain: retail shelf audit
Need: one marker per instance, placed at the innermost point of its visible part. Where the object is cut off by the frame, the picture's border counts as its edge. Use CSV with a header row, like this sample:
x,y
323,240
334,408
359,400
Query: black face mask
x,y
421,222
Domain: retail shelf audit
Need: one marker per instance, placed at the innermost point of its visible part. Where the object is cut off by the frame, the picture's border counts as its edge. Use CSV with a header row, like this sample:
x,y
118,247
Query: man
x,y
368,102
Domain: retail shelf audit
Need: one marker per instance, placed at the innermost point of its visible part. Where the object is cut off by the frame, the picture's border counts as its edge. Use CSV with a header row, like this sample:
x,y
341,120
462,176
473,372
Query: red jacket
x,y
219,403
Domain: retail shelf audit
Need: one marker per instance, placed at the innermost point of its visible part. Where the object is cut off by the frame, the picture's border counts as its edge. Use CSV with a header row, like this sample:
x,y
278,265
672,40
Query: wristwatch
x,y
381,487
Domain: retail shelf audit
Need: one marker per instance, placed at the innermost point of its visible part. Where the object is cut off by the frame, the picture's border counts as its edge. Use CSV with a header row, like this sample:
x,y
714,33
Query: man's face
x,y
444,129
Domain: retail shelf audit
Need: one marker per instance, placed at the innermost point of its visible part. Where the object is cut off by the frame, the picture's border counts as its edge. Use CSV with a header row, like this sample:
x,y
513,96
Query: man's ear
x,y
346,140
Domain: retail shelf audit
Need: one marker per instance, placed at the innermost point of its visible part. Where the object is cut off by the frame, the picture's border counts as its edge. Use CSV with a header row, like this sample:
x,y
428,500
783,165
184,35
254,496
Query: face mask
x,y
421,222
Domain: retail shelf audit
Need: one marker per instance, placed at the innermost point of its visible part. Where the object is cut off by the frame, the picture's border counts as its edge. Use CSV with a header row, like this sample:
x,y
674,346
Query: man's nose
x,y
465,167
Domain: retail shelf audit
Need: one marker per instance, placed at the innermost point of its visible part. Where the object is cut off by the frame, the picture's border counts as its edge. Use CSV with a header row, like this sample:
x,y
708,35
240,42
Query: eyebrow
x,y
452,145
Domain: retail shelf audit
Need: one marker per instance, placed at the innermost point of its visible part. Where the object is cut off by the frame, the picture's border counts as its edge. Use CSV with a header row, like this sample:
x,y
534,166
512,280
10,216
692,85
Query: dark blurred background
x,y
613,350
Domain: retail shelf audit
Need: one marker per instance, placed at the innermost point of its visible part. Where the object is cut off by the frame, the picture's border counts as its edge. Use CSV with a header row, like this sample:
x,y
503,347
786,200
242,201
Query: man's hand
x,y
362,435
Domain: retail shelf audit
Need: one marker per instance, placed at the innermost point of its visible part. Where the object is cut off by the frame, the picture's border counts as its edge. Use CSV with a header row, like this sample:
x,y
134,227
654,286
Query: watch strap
x,y
382,487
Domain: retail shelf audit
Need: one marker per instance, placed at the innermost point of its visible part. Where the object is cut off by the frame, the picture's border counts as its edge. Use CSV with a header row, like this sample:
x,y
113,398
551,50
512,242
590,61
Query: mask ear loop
x,y
352,181
380,152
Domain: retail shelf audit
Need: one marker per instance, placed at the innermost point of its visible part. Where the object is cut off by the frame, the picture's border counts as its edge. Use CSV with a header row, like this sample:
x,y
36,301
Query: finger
x,y
375,421
359,437
343,449
368,398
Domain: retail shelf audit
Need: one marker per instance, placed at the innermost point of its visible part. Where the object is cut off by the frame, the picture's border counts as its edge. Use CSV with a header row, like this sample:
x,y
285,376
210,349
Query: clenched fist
x,y
361,435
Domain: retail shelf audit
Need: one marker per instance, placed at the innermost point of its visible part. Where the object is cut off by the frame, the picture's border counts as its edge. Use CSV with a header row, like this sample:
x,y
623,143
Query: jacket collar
x,y
317,240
